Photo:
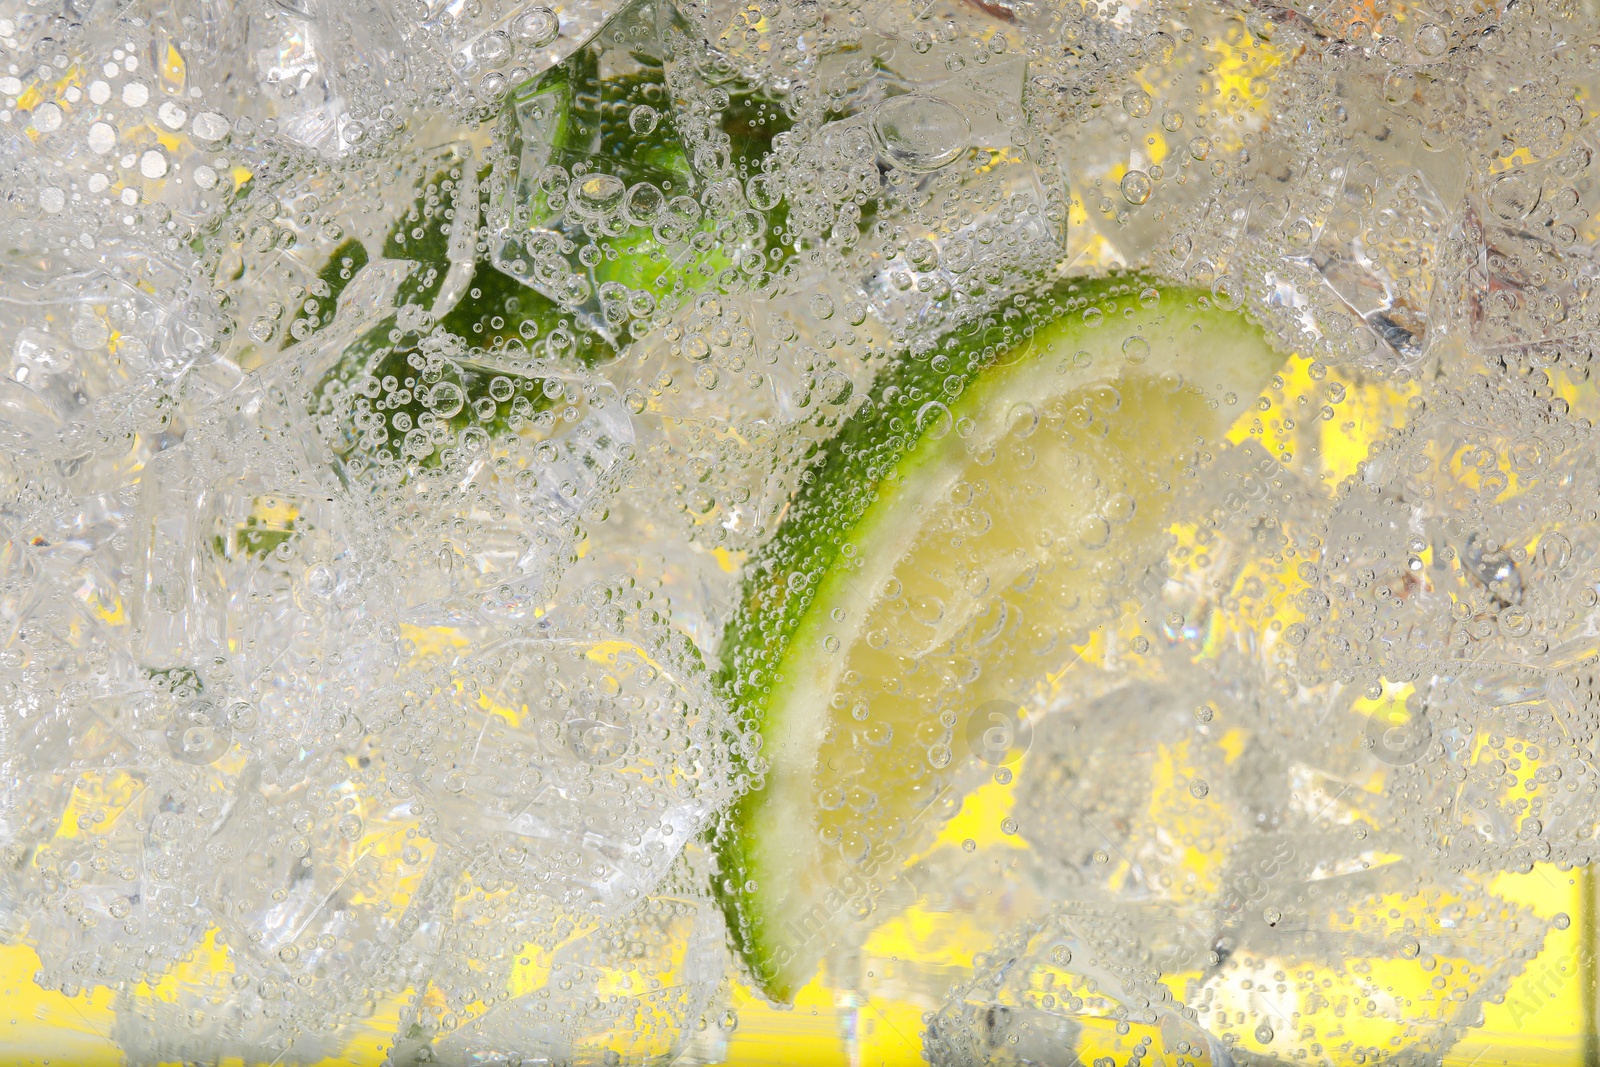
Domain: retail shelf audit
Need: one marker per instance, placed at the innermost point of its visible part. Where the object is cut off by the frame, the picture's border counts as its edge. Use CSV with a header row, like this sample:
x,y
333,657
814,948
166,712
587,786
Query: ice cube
x,y
493,49
484,477
618,186
1400,32
927,190
121,878
1465,803
1377,249
1460,542
1084,979
1529,229
321,68
1077,981
592,746
733,390
206,1014
64,331
661,961
294,256
151,769
319,883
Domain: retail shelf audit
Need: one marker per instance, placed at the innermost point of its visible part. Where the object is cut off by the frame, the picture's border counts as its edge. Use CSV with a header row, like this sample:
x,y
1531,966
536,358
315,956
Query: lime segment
x,y
991,503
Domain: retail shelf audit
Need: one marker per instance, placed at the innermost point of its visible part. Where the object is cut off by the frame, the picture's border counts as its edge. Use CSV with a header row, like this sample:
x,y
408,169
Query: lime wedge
x,y
989,504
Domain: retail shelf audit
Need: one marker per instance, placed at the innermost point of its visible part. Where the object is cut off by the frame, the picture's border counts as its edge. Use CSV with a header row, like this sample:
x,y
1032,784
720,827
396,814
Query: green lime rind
x,y
831,509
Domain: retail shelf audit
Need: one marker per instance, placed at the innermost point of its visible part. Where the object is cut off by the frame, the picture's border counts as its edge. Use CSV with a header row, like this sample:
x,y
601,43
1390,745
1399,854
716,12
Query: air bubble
x,y
47,118
643,118
102,138
920,133
538,26
1431,41
209,126
1136,187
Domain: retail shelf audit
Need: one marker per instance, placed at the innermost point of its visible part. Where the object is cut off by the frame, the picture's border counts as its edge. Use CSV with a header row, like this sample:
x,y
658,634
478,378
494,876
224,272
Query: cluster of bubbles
x,y
391,393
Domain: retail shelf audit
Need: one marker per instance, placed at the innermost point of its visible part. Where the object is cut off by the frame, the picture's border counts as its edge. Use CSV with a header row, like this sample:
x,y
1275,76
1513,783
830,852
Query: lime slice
x,y
990,503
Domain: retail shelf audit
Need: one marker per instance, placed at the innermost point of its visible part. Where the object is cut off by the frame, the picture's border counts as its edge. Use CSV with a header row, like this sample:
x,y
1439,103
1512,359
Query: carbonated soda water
x,y
808,531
